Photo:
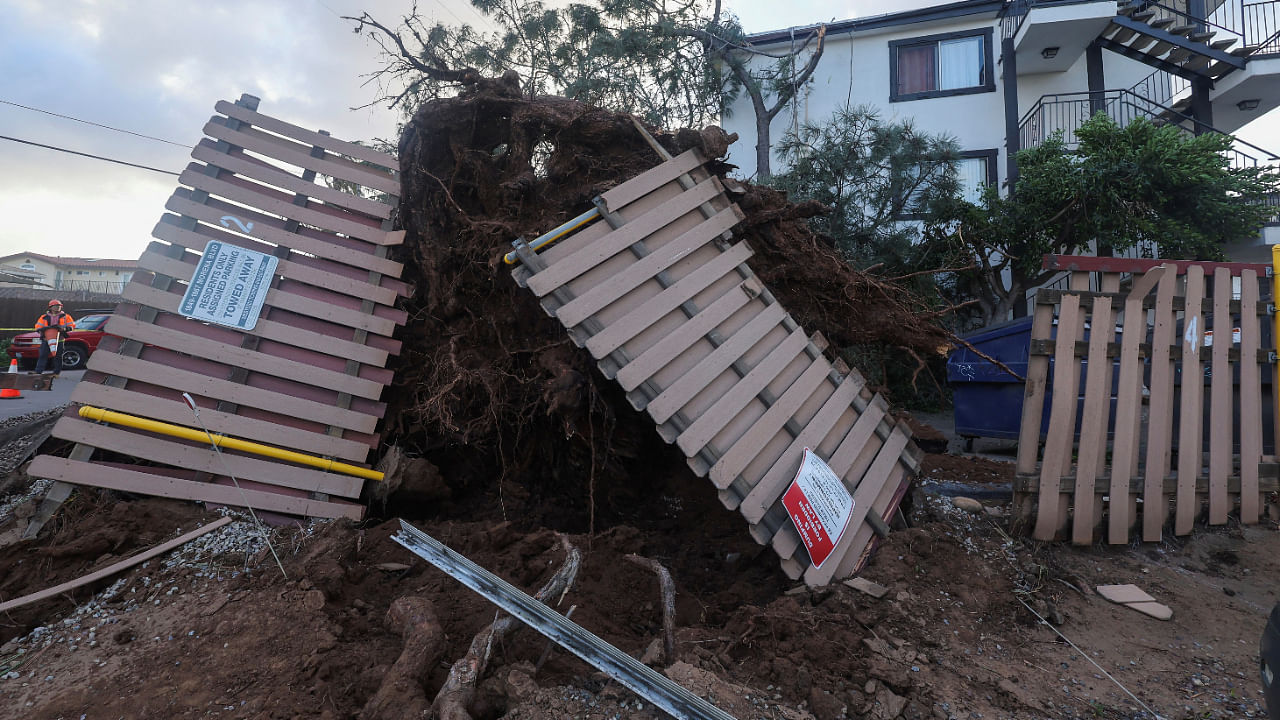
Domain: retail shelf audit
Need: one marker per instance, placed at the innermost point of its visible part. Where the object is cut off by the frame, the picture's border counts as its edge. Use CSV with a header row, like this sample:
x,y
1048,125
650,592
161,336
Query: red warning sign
x,y
819,506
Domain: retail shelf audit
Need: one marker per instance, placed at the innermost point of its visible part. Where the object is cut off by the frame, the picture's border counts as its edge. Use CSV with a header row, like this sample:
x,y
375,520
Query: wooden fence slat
x,y
278,148
646,182
727,406
196,383
745,448
1128,406
1033,396
1190,428
770,487
310,137
845,460
177,412
1250,402
864,540
876,479
276,203
113,478
154,260
1061,423
203,459
143,294
1155,506
248,166
237,356
687,386
1220,387
620,239
656,356
644,269
271,230
1093,431
639,319
197,240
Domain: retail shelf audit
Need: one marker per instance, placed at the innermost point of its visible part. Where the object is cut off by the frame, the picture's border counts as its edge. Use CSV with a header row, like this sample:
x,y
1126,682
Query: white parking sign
x,y
229,286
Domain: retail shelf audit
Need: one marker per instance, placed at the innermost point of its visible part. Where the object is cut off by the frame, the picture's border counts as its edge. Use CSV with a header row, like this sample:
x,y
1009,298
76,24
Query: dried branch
x,y
667,590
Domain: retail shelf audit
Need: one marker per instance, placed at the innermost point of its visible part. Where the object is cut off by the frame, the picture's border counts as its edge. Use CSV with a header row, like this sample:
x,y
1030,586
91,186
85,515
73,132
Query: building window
x,y
941,65
975,172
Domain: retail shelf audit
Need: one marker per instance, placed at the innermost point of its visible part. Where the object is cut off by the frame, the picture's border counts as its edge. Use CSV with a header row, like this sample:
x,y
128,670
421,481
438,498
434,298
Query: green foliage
x,y
871,174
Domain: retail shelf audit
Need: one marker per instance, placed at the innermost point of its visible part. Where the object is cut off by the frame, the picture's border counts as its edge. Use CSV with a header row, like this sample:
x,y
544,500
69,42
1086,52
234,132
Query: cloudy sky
x,y
156,68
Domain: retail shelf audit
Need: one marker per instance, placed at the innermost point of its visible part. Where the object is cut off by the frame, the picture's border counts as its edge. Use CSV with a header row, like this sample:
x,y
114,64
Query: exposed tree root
x,y
402,694
667,590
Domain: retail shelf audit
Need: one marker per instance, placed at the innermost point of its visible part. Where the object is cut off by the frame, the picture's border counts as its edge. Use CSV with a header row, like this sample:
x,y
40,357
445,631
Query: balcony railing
x,y
100,287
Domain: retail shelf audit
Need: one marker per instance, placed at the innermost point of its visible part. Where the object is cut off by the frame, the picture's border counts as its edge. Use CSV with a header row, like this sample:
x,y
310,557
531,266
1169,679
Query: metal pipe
x,y
186,433
551,236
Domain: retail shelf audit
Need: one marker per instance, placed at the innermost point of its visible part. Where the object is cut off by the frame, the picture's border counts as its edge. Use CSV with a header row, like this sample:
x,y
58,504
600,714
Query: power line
x,y
87,122
95,157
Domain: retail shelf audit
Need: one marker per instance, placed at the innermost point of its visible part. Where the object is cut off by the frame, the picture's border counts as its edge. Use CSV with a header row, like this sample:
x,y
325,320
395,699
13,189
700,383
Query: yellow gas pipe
x,y
230,443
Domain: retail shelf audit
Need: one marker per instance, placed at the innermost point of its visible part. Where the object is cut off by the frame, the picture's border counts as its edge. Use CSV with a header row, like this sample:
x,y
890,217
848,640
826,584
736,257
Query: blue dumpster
x,y
988,400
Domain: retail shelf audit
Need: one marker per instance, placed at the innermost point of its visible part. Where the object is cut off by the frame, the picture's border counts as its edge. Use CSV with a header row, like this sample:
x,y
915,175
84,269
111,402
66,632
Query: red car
x,y
75,348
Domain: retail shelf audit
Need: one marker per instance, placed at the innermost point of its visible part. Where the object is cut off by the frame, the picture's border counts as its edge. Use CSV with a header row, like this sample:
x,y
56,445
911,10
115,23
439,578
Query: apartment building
x,y
71,274
1001,75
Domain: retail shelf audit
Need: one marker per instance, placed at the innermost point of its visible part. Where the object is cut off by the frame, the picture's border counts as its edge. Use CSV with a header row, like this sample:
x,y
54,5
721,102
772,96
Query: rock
x,y
313,600
967,504
826,706
391,567
887,705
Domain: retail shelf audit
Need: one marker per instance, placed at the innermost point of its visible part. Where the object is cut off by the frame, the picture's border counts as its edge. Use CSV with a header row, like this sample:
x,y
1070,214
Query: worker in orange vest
x,y
52,325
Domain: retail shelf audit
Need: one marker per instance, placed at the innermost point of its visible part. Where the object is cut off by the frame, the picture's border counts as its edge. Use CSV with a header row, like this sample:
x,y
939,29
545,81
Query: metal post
x,y
1012,143
1097,80
1201,107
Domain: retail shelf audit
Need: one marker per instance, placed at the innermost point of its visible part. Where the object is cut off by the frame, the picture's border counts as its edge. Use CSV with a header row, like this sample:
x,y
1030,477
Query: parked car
x,y
76,348
1270,662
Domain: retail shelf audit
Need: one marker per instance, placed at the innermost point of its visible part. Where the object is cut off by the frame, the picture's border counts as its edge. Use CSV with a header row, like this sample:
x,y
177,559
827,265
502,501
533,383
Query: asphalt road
x,y
32,401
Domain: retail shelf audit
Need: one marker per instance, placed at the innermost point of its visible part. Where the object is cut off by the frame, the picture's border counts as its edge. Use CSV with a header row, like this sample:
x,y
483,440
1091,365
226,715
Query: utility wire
x,y
87,122
88,155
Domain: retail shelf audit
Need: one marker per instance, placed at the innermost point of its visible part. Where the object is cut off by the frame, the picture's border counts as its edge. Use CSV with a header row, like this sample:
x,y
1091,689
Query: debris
x,y
668,591
1134,597
115,568
391,567
967,504
863,585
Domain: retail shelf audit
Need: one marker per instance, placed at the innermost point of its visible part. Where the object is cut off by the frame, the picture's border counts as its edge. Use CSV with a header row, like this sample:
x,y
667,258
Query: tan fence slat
x,y
1155,506
873,482
157,262
727,406
300,155
276,202
745,448
197,240
774,482
198,384
632,232
1250,398
237,356
113,478
203,459
1033,396
640,318
1093,431
1061,423
1128,406
1190,429
248,166
656,356
310,137
864,540
1220,390
271,230
683,389
644,269
142,294
648,181
177,412
847,461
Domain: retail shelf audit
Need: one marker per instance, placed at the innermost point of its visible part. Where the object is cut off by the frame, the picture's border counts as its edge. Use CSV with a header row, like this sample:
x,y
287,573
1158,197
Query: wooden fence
x,y
1163,385
307,376
657,292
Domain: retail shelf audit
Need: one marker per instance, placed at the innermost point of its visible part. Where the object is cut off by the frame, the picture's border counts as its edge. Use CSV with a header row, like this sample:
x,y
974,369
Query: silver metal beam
x,y
634,675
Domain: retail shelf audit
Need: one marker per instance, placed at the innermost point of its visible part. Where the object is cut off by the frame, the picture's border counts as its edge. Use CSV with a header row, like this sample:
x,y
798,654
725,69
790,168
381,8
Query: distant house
x,y
101,276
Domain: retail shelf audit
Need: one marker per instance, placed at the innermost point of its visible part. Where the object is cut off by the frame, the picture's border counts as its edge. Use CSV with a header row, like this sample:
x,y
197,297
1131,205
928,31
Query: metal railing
x,y
1015,13
1223,20
104,287
1066,112
1261,25
1162,88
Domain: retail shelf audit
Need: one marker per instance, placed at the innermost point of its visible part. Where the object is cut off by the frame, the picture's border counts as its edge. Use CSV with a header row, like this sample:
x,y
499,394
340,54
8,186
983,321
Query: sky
x,y
157,67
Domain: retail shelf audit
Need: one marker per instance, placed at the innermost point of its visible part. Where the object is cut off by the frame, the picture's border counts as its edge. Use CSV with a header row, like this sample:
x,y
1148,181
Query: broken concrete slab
x,y
1136,598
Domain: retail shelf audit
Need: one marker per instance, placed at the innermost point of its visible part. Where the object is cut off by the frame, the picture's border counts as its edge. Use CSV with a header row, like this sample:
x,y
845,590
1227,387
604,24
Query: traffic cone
x,y
9,393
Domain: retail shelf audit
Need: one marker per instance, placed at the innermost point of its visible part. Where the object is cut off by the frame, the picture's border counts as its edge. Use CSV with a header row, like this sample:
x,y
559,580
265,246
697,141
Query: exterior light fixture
x,y
1251,104
1049,53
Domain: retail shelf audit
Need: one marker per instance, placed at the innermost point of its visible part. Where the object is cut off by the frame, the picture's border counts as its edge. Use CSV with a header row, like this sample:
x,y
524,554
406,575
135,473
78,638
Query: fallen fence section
x,y
631,673
1190,448
660,296
305,372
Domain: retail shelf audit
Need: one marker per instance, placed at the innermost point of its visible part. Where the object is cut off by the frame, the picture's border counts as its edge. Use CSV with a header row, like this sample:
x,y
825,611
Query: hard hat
x,y
55,302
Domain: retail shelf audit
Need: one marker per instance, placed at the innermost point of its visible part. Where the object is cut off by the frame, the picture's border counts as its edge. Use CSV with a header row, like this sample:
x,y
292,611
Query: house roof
x,y
77,262
873,22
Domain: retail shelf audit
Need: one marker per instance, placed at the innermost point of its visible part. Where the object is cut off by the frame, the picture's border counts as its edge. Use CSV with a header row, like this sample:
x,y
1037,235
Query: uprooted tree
x,y
672,63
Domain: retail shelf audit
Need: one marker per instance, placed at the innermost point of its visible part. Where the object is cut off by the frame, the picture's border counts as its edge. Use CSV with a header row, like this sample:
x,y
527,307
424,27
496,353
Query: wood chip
x,y
863,585
392,567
